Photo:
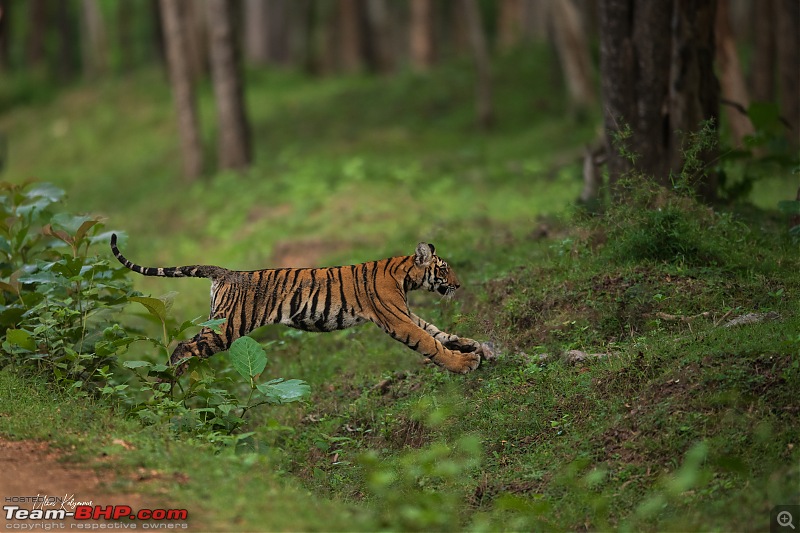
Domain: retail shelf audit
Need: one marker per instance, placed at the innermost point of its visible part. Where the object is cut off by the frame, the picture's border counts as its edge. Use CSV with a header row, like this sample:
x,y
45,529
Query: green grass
x,y
684,425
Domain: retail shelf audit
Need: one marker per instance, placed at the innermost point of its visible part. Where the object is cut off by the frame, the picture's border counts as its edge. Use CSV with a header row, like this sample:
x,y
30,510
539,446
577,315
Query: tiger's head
x,y
432,272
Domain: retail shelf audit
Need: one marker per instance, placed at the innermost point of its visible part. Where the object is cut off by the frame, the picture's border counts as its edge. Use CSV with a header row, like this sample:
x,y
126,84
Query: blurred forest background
x,y
615,182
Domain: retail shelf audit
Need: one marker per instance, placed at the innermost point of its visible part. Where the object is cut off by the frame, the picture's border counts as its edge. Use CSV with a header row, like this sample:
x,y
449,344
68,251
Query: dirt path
x,y
33,477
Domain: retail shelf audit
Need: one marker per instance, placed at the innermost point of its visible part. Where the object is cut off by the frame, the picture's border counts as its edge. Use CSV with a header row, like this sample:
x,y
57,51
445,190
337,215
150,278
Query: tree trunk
x,y
656,62
5,27
762,70
182,87
381,36
37,31
194,15
125,21
421,35
67,36
510,18
789,65
731,78
95,41
480,54
233,134
350,37
573,53
256,32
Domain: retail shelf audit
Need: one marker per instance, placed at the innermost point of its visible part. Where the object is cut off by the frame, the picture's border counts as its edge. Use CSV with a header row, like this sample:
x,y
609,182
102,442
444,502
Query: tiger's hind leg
x,y
203,345
454,342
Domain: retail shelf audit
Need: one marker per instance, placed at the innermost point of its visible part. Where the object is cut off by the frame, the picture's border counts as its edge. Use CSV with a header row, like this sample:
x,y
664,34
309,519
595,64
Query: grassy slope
x,y
371,166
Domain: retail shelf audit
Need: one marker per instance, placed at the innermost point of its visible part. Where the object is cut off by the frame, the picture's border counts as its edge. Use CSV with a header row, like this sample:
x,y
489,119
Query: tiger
x,y
326,299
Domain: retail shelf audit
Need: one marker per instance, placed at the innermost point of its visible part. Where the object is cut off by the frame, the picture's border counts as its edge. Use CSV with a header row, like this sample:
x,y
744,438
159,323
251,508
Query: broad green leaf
x,y
248,357
153,305
21,338
278,391
45,190
214,324
168,299
136,364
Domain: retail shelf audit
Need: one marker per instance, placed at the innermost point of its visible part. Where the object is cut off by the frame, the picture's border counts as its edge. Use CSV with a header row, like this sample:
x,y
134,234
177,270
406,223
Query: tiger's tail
x,y
193,271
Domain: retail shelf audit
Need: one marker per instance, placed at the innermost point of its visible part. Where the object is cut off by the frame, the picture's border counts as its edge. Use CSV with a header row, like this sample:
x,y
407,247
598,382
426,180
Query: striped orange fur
x,y
326,299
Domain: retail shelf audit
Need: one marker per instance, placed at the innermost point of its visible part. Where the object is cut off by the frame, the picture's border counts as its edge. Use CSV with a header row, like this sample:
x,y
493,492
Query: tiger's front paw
x,y
463,362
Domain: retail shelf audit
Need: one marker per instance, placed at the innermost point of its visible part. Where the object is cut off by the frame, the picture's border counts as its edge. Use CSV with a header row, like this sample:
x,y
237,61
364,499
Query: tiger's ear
x,y
424,253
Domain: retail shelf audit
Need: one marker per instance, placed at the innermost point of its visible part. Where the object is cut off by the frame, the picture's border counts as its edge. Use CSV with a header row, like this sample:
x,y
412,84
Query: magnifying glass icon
x,y
785,519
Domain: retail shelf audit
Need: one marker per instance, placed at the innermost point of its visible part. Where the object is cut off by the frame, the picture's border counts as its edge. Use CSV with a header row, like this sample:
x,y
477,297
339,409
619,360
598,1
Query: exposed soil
x,y
33,476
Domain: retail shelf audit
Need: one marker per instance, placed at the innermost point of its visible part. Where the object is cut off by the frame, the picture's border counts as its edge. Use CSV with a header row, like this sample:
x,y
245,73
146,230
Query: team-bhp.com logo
x,y
99,512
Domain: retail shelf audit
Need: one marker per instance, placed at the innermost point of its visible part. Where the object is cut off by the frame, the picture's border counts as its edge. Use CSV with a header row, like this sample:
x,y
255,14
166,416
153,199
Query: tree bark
x,y
381,36
511,15
233,140
573,53
95,41
731,79
350,36
423,53
196,24
256,32
5,28
656,62
37,25
480,54
788,62
762,70
182,88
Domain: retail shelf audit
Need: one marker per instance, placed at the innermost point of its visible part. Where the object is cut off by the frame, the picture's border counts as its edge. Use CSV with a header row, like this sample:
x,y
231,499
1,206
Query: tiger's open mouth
x,y
445,291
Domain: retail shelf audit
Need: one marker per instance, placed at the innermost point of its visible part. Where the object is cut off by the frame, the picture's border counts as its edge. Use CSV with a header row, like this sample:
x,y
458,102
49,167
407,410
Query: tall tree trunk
x,y
510,19
788,63
233,141
731,79
762,70
182,87
421,35
67,36
37,30
480,54
196,24
573,53
95,41
380,35
5,28
125,13
256,32
350,36
656,62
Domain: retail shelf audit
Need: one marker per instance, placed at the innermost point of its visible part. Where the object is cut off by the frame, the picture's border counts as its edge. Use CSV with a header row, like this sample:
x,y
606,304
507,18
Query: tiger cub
x,y
326,299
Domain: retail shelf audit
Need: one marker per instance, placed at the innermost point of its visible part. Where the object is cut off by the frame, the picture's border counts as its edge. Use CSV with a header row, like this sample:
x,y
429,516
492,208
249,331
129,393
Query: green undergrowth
x,y
672,419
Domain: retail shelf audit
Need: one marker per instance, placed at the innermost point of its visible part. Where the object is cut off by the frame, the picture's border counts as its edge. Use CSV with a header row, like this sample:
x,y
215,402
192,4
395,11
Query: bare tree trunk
x,y
124,23
423,53
5,27
731,78
350,36
37,25
256,32
95,42
573,53
194,13
381,35
656,61
509,23
233,135
67,36
182,88
535,19
480,54
788,63
762,70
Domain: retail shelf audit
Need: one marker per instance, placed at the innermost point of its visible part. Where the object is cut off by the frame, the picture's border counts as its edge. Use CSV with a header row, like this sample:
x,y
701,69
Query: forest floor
x,y
686,425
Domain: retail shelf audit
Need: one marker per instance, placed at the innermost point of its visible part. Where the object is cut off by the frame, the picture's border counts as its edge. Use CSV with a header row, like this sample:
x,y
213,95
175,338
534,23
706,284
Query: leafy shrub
x,y
58,316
